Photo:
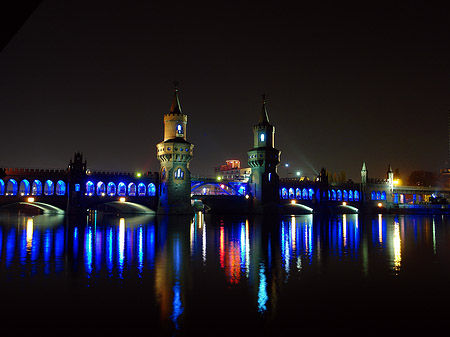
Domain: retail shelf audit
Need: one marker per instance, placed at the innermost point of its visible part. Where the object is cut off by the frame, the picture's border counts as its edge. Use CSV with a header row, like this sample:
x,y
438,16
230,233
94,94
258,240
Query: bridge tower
x,y
363,181
174,154
76,184
263,159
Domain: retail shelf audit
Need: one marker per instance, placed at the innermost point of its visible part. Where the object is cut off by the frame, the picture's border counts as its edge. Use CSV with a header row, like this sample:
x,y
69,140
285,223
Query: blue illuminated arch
x,y
179,173
89,188
179,129
310,194
345,195
151,189
241,190
339,195
121,189
11,187
356,196
291,193
101,188
24,187
374,195
36,188
132,189
142,190
378,195
383,195
284,193
60,188
111,190
333,195
2,187
49,188
304,194
350,195
298,193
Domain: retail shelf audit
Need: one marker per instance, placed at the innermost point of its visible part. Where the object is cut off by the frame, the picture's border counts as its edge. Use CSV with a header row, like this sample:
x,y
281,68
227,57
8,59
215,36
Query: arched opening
x,y
304,194
49,188
378,195
291,193
284,193
11,187
36,188
333,195
142,190
298,193
60,188
111,191
374,195
356,196
350,195
89,188
24,187
121,190
151,190
101,188
179,129
2,187
345,195
179,174
383,195
132,189
310,194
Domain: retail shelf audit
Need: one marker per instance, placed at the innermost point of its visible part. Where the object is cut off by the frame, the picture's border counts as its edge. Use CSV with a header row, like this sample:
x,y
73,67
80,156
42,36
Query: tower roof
x,y
175,108
263,117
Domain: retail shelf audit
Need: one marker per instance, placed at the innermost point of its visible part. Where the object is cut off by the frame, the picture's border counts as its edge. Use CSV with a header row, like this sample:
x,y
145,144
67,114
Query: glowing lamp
x,y
344,204
122,199
293,202
247,196
138,174
30,199
380,204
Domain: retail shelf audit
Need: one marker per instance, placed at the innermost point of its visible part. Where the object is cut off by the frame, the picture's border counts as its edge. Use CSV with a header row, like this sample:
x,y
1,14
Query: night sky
x,y
344,84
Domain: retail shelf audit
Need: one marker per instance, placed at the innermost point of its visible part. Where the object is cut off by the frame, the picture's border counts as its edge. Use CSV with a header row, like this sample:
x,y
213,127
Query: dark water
x,y
106,276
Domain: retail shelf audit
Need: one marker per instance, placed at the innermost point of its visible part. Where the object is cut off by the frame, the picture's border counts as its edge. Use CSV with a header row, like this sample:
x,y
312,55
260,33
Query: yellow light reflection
x,y
293,233
344,229
380,228
397,247
30,226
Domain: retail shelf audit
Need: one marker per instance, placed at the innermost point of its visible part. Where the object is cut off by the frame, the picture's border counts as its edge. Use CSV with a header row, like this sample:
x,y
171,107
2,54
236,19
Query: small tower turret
x,y
390,178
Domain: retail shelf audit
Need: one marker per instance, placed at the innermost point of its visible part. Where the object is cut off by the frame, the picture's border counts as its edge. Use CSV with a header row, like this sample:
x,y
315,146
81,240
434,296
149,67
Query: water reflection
x,y
186,262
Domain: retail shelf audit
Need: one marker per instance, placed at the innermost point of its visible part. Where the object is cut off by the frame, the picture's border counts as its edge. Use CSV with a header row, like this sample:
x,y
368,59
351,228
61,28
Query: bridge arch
x,y
49,188
101,188
121,189
36,188
356,195
11,187
350,195
291,193
24,187
111,190
151,190
60,187
2,187
132,189
141,190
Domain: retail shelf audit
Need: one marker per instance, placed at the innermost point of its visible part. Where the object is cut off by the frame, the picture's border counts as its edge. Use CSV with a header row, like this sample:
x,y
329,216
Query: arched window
x,y
60,188
36,188
151,189
2,187
304,194
339,195
383,195
356,196
163,173
284,193
333,195
345,195
142,190
350,195
378,195
121,190
179,173
111,191
24,187
291,193
179,129
11,187
310,194
132,189
101,188
49,187
298,193
374,195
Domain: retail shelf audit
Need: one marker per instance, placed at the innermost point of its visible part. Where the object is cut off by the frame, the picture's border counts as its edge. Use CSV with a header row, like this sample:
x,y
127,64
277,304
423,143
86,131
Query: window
x,y
350,195
151,189
111,191
345,195
49,187
24,187
298,193
310,193
270,176
356,196
339,195
60,188
77,187
262,137
179,129
179,174
291,193
304,194
284,193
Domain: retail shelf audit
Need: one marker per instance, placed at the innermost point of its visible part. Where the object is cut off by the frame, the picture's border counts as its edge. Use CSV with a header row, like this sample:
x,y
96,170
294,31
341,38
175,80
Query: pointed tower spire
x,y
263,118
175,108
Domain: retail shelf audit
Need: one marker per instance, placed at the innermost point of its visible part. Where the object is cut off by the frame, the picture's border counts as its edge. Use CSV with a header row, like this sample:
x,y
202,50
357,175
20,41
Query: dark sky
x,y
343,84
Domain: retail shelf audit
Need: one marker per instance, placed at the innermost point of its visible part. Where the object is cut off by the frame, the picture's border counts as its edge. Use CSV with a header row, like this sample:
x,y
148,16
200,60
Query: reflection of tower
x,y
263,159
174,154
